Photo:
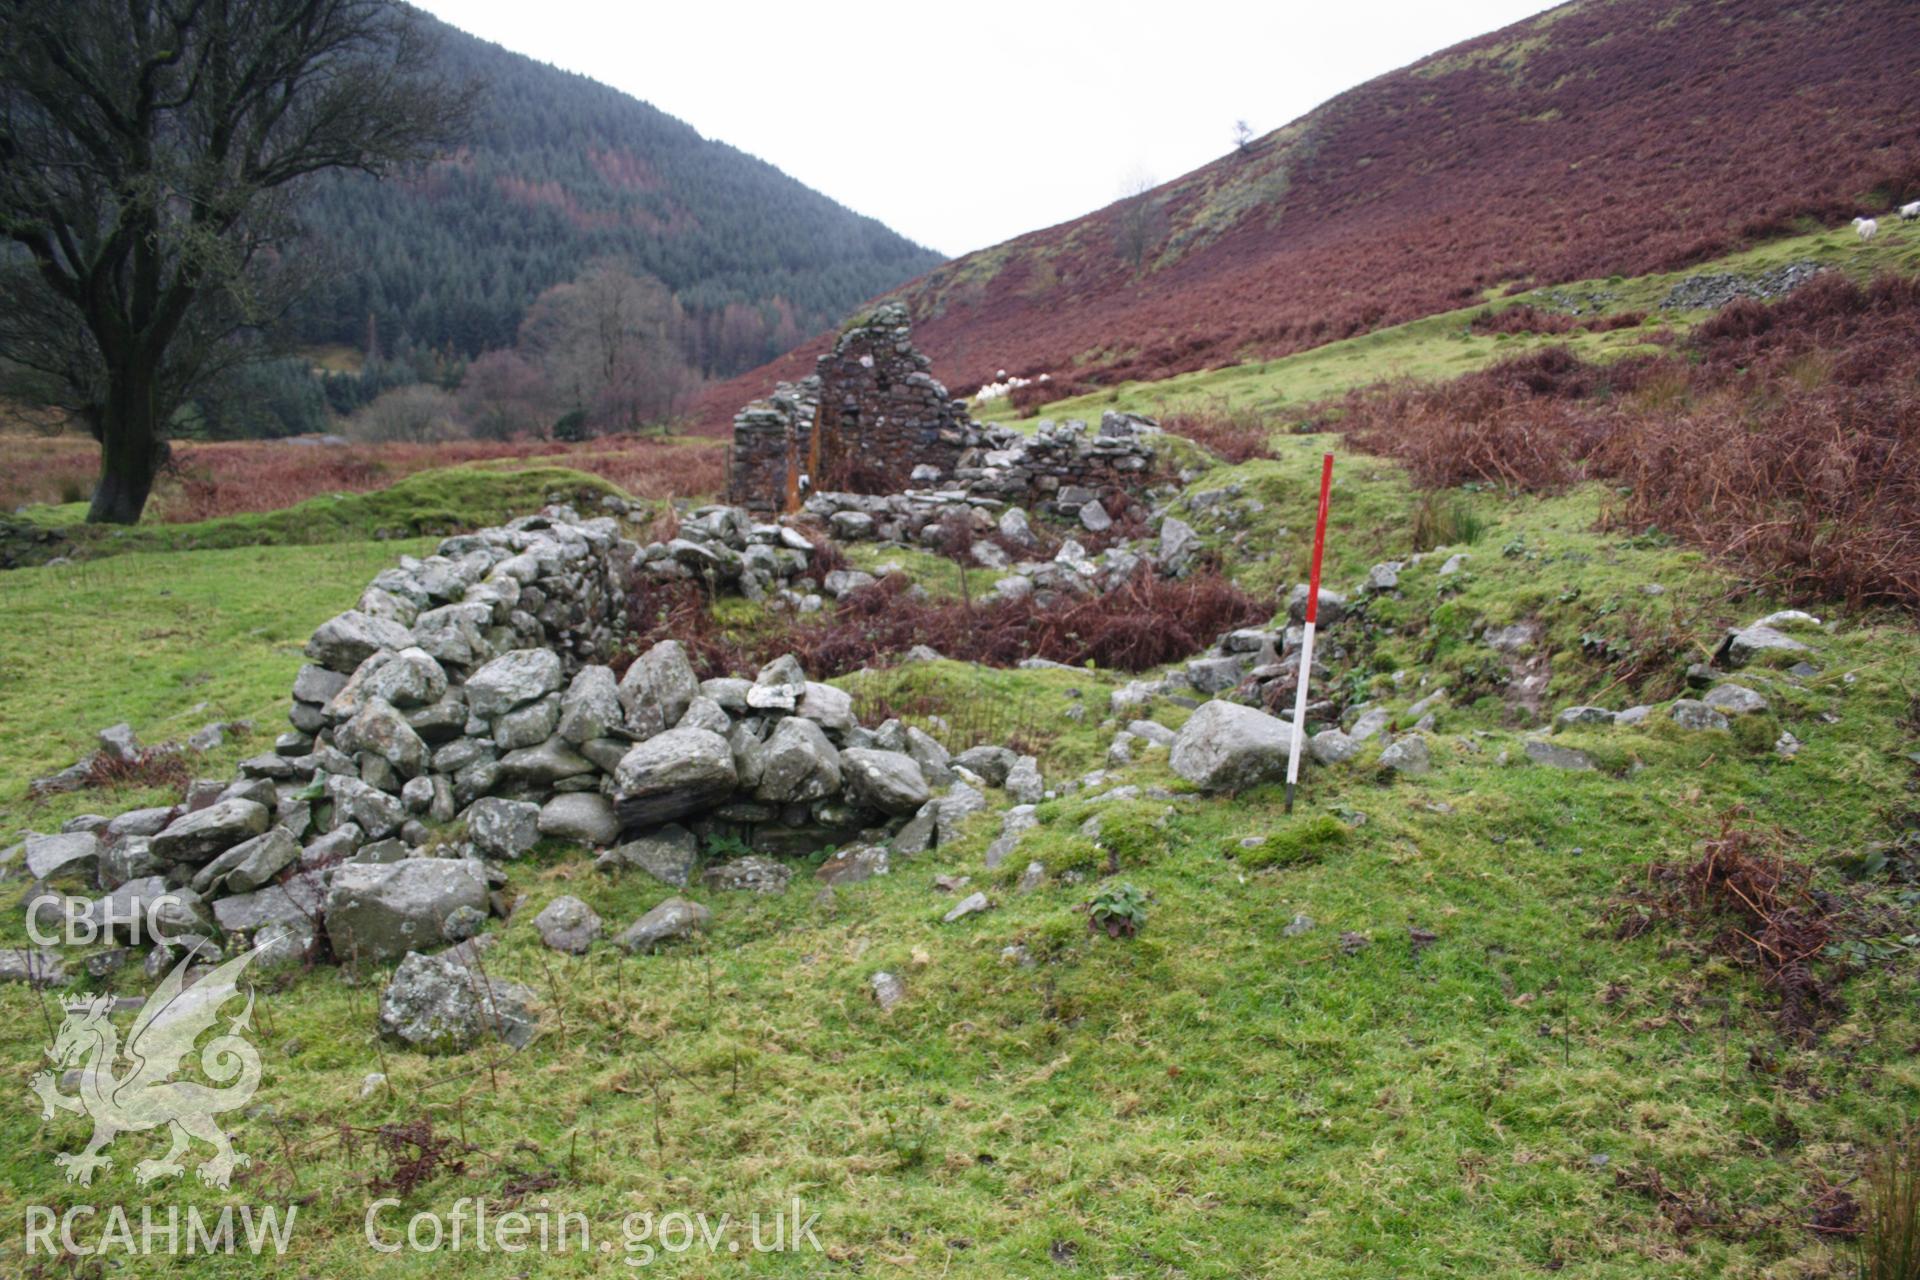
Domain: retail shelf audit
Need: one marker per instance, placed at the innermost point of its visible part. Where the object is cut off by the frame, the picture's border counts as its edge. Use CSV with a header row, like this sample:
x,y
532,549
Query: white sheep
x,y
1908,212
1865,227
1006,385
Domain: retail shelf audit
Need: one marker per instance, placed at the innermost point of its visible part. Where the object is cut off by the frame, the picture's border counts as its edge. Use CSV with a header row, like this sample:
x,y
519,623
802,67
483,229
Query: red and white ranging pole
x,y
1306,638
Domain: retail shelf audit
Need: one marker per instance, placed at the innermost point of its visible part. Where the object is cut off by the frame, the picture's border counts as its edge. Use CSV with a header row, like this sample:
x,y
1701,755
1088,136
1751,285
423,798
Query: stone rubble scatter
x,y
462,712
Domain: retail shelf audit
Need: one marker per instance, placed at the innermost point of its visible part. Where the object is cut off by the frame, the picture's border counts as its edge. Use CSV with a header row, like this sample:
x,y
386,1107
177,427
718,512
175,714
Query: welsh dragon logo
x,y
143,1096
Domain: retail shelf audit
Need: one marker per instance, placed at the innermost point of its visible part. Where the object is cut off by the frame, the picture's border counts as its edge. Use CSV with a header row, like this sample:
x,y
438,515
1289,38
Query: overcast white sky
x,y
961,125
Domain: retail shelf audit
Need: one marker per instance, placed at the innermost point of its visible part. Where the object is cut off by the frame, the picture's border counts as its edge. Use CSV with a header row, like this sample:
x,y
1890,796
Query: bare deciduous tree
x,y
418,413
609,343
1139,222
505,394
148,152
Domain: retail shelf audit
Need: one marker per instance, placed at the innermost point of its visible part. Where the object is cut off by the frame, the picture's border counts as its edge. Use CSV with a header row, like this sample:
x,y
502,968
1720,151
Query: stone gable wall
x,y
871,412
872,419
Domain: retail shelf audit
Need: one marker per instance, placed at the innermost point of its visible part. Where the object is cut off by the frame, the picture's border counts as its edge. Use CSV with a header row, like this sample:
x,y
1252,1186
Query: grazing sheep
x,y
1006,385
1908,212
1865,227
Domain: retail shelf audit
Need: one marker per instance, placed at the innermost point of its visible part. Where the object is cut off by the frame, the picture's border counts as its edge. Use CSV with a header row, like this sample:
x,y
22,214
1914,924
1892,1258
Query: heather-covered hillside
x,y
1602,137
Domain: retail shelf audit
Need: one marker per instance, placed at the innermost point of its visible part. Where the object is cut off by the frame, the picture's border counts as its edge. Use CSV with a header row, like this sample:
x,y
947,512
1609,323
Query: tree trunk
x,y
131,452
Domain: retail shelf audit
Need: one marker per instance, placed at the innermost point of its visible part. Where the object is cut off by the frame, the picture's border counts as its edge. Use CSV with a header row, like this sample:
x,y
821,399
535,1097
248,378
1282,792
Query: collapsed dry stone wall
x,y
466,708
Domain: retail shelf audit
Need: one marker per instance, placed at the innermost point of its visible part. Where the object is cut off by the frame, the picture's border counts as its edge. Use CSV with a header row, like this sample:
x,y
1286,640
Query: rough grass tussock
x,y
1754,905
1890,1237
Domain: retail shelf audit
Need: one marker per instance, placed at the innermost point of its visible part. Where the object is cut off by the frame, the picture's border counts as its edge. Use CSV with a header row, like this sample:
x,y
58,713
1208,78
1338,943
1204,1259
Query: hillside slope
x,y
1605,136
561,170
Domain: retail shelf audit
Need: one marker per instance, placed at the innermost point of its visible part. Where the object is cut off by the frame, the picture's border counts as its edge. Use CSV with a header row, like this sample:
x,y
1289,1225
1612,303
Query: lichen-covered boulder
x,y
1761,640
889,781
828,707
657,689
1735,700
1331,746
1025,785
668,855
674,918
779,686
585,816
301,897
410,678
503,829
248,865
797,763
1408,755
851,866
1554,756
200,836
1333,605
704,713
671,775
512,680
749,874
543,765
1690,713
378,911
568,924
379,729
437,1005
527,726
993,764
65,854
950,813
590,708
377,814
342,643
1227,747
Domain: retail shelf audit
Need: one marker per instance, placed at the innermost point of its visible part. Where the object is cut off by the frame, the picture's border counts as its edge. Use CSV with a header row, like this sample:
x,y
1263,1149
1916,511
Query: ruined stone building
x,y
871,412
872,420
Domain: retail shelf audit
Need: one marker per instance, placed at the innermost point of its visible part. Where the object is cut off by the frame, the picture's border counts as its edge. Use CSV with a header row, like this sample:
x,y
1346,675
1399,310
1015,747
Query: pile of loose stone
x,y
1259,666
1228,743
1057,472
728,550
464,710
1723,697
1711,291
453,719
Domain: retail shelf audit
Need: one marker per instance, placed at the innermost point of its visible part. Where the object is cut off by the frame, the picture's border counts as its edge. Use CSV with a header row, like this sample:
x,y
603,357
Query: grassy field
x,y
441,501
1216,1096
166,641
